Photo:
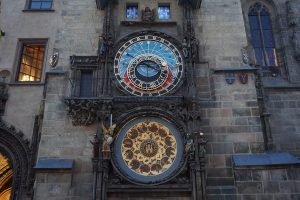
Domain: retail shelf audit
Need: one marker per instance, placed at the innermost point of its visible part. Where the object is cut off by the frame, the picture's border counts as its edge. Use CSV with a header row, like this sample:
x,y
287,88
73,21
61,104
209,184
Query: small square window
x,y
40,4
132,11
164,12
31,62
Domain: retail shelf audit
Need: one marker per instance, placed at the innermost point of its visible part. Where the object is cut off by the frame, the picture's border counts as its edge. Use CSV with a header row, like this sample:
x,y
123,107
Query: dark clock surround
x,y
179,106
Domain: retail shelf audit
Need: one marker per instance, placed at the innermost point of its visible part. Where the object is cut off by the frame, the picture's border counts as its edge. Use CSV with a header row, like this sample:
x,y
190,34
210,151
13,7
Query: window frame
x,y
29,9
277,35
164,5
132,4
20,48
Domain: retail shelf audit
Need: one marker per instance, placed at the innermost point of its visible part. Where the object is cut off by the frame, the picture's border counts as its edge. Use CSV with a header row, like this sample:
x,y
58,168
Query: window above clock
x,y
132,11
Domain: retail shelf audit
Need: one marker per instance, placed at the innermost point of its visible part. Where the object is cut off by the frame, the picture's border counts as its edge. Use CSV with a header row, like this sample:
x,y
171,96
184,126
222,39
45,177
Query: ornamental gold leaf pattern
x,y
149,148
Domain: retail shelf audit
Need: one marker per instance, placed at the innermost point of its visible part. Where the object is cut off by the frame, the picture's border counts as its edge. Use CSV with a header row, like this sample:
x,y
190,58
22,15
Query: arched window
x,y
262,37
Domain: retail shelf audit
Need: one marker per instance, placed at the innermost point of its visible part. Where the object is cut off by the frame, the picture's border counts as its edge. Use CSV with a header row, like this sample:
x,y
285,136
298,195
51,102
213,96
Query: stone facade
x,y
234,117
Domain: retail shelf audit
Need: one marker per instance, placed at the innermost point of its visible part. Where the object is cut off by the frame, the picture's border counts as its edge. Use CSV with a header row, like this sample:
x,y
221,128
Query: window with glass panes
x,y
164,12
262,36
132,11
31,63
40,4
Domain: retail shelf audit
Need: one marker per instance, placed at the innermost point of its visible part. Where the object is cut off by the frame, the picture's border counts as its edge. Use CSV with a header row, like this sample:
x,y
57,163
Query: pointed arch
x,y
264,35
16,148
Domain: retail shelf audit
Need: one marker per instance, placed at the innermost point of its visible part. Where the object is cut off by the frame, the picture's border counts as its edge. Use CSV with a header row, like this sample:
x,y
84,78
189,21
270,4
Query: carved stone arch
x,y
274,10
17,149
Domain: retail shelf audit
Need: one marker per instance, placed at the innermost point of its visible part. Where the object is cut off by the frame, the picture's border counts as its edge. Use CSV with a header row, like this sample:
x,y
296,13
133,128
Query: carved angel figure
x,y
148,15
107,140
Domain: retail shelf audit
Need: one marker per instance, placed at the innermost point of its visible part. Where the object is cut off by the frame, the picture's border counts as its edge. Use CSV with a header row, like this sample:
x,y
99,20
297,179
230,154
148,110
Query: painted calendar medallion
x,y
149,150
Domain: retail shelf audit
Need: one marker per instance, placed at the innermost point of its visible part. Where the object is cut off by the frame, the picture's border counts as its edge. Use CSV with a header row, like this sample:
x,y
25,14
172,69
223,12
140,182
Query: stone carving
x,y
107,140
53,61
293,11
230,78
18,150
83,112
148,15
243,77
96,146
248,55
3,96
84,60
106,45
296,44
185,48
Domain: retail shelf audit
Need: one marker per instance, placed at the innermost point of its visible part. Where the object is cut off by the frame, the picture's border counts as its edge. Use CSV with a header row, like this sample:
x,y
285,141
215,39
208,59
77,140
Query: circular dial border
x,y
148,65
148,150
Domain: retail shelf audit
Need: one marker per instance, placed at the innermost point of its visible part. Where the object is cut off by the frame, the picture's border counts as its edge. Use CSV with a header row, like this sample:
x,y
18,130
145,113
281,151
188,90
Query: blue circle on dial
x,y
148,68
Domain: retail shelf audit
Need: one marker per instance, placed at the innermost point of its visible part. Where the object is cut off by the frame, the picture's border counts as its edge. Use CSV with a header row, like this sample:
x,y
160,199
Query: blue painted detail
x,y
148,179
54,164
268,159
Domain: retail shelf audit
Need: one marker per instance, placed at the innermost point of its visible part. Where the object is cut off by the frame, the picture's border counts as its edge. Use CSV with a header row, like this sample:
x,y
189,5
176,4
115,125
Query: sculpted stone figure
x,y
296,44
96,146
148,15
292,12
107,140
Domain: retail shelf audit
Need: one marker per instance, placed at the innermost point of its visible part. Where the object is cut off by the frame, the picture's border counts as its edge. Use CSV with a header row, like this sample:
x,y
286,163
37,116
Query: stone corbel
x,y
84,112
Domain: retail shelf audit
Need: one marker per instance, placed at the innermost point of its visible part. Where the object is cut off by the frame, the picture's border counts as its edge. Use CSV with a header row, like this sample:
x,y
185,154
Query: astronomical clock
x,y
149,148
142,89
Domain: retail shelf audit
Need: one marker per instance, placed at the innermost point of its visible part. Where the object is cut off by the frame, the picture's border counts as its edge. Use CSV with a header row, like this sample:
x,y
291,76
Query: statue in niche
x,y
96,146
195,49
296,44
107,140
53,61
292,13
106,45
248,55
148,15
185,48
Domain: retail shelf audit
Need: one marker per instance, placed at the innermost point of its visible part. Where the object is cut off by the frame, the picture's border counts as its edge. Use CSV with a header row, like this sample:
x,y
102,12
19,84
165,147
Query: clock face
x,y
148,66
148,150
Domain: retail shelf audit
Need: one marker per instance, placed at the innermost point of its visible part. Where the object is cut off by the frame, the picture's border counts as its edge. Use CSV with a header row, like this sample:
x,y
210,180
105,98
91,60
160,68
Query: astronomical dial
x,y
148,66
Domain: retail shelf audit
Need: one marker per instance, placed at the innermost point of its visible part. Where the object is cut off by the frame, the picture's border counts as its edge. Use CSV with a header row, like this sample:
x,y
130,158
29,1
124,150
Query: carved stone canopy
x,y
196,4
102,4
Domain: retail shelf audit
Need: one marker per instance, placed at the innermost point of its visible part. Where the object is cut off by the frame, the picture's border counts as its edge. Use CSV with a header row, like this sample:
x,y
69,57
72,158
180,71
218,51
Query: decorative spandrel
x,y
149,150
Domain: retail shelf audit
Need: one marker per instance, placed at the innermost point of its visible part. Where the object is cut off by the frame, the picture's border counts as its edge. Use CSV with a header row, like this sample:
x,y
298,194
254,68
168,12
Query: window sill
x,y
139,23
38,10
26,84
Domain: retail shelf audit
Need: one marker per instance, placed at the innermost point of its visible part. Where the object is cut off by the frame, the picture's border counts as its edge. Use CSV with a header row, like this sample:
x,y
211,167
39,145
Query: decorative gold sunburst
x,y
149,148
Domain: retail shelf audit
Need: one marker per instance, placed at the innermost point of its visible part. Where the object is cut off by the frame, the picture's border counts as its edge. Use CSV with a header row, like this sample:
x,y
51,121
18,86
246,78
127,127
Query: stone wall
x,y
284,107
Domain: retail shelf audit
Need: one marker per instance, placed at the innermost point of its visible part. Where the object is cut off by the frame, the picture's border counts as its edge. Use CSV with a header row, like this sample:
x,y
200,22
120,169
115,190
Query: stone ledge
x,y
245,69
54,165
265,161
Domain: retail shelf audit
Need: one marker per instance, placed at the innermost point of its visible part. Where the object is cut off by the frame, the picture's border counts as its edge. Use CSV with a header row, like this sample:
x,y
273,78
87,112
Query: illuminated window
x,y
132,11
31,63
40,4
262,36
164,12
